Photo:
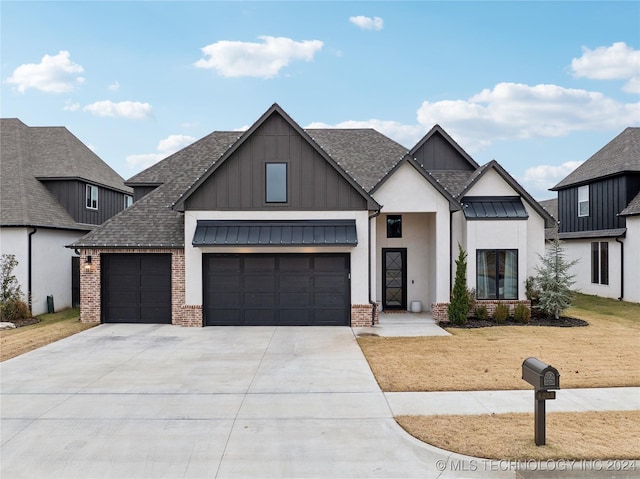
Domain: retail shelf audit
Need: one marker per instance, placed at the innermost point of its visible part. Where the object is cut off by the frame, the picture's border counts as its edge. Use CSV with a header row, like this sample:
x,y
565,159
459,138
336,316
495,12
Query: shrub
x,y
501,313
521,313
482,312
459,307
11,306
531,291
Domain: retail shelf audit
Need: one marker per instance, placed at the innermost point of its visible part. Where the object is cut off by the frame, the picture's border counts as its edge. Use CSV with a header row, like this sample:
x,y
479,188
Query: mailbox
x,y
540,375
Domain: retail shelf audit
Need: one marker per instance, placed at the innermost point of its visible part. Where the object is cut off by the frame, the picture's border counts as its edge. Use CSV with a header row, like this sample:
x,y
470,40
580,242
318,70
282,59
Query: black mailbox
x,y
540,375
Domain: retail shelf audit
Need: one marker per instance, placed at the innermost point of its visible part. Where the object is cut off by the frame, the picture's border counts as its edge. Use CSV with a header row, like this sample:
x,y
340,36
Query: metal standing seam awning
x,y
494,207
275,233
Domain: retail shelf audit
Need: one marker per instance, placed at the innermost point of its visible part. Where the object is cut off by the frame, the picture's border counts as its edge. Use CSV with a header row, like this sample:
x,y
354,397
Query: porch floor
x,y
403,324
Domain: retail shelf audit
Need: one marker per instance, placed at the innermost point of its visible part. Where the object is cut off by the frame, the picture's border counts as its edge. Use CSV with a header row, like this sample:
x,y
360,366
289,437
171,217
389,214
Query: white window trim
x,y
128,201
89,198
582,200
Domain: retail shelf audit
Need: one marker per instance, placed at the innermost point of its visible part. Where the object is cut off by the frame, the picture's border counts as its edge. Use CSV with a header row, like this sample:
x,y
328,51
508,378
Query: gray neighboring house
x,y
598,212
53,190
281,225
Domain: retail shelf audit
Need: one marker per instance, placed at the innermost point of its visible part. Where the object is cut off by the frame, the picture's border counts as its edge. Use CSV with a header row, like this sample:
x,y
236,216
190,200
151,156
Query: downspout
x,y
621,267
29,262
373,304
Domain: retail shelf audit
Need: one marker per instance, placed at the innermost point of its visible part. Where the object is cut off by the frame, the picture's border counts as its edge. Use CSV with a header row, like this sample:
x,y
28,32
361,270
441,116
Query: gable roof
x,y
275,109
620,155
438,130
29,154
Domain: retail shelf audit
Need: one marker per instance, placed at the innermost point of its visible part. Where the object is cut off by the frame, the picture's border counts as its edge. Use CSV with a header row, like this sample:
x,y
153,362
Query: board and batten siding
x,y
312,183
607,198
438,154
72,196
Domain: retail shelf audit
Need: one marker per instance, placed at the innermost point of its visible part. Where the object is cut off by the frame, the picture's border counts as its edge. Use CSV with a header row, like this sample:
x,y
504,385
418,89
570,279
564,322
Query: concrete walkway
x,y
403,325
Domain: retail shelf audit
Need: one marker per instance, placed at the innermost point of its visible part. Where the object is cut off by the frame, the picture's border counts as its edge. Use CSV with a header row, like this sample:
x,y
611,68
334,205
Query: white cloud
x,y
114,86
367,23
70,106
133,110
166,147
54,74
617,62
261,60
544,177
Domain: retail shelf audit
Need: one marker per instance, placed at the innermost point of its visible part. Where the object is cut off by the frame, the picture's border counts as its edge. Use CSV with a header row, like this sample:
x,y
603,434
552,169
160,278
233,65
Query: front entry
x,y
394,272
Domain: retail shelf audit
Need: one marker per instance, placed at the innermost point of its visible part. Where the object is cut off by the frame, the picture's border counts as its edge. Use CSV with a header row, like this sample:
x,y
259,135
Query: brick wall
x,y
361,315
90,299
440,310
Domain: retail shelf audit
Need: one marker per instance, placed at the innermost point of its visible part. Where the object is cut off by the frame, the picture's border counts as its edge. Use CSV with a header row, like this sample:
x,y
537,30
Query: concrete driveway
x,y
165,401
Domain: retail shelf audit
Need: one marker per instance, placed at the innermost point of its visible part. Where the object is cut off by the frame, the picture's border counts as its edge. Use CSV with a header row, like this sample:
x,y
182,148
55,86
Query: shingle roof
x,y
551,206
28,153
454,181
622,154
633,208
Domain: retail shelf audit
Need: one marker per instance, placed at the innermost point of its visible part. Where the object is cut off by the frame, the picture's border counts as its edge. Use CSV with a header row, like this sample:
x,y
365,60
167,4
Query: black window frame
x,y
271,196
394,226
496,276
90,202
600,262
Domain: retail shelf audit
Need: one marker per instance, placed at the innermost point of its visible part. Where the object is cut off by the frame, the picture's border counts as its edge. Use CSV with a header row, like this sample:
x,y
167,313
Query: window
x,y
128,201
497,274
92,197
583,201
276,183
600,262
394,226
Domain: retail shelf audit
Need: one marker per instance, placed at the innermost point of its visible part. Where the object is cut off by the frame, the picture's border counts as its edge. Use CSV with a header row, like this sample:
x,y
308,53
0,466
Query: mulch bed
x,y
25,322
563,322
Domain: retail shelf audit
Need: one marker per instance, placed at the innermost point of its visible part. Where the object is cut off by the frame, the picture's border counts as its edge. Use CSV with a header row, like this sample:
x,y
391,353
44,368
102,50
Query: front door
x,y
394,272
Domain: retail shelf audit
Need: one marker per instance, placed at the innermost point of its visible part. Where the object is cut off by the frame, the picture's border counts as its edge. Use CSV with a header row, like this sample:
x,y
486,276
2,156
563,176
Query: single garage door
x,y
276,289
136,288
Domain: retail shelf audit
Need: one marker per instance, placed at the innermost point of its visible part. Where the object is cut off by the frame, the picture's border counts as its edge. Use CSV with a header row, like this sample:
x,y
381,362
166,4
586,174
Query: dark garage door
x,y
136,288
280,289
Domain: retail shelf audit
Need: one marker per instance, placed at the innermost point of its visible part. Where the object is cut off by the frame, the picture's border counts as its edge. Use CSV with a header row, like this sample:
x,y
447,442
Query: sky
x,y
538,86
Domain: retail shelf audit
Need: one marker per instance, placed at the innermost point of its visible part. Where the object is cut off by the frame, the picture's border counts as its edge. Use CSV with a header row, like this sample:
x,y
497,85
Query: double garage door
x,y
239,289
276,289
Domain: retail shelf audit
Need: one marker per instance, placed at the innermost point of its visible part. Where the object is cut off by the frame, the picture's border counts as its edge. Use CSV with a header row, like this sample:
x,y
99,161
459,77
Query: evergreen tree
x,y
554,281
10,292
459,307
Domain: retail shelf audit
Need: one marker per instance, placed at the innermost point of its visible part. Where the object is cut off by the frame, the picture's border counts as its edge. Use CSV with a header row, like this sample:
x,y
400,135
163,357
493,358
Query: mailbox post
x,y
544,379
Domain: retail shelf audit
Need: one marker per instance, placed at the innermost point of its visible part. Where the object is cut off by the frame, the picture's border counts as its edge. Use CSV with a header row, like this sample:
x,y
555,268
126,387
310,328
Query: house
x,y
53,190
598,209
285,226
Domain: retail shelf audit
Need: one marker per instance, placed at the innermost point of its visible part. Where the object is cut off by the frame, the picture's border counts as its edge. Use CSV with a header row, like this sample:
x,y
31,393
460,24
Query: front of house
x,y
284,226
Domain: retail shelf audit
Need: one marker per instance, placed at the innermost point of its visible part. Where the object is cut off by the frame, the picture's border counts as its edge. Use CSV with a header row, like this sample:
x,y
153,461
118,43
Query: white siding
x,y
632,260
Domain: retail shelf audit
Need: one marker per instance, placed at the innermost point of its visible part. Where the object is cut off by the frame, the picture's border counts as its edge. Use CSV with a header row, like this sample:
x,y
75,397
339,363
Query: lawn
x,y
52,327
604,354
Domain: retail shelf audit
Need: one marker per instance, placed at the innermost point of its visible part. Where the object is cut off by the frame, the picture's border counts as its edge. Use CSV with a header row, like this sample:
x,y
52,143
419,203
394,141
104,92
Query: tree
x,y
10,292
554,281
459,307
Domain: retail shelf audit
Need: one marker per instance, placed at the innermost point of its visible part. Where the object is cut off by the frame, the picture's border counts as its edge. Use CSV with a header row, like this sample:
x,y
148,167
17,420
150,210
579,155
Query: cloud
x,y
166,147
617,62
544,177
367,23
70,106
133,110
114,86
54,74
234,59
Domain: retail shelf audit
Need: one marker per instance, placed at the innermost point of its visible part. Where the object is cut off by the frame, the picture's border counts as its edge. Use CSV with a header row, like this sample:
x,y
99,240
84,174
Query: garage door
x,y
136,288
280,289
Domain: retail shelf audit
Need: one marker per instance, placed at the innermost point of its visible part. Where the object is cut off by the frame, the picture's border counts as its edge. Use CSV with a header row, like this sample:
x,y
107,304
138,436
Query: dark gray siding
x,y
72,196
438,154
141,191
239,183
607,198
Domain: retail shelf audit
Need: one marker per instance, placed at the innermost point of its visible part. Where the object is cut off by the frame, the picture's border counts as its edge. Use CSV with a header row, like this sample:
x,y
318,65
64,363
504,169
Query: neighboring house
x,y
598,209
286,226
53,190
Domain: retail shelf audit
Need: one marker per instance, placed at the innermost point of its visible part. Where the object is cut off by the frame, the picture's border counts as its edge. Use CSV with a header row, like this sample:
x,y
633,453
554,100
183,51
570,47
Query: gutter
x,y
621,267
29,263
373,304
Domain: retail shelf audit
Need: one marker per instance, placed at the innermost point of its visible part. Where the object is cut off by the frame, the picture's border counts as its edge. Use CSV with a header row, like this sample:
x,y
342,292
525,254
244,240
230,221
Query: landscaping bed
x,y
563,322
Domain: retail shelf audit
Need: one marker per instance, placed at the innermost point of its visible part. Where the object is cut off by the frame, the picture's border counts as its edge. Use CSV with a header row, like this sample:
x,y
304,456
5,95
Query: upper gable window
x,y
128,201
394,226
92,197
276,183
583,200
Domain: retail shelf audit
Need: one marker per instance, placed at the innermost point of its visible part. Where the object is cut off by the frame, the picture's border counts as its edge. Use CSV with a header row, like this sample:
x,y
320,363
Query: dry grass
x,y
52,327
604,354
586,435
